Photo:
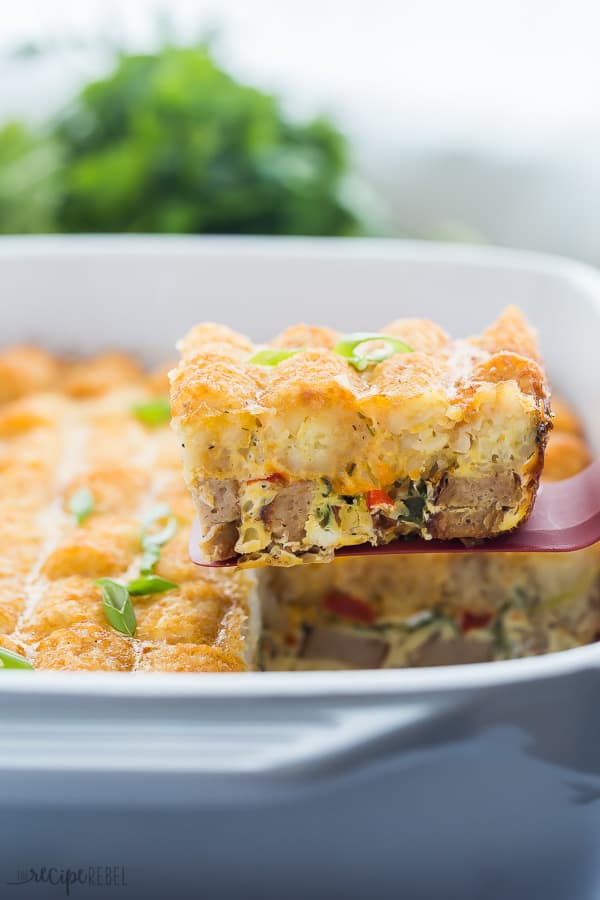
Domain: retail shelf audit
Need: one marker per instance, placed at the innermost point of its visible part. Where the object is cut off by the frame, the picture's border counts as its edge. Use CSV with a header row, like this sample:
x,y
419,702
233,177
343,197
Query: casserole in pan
x,y
454,781
95,520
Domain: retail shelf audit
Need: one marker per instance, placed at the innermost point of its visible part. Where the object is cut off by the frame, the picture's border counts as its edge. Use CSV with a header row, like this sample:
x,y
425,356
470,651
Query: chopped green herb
x,y
150,584
153,412
81,504
421,488
499,634
349,346
10,660
326,487
324,515
271,356
416,509
523,599
118,606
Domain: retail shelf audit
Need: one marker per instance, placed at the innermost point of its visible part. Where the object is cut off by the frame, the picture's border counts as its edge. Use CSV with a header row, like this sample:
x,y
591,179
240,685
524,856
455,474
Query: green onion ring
x,y
349,344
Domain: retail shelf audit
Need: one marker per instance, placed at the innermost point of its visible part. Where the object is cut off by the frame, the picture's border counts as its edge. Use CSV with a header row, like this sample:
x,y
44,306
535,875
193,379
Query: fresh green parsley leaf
x,y
81,504
118,606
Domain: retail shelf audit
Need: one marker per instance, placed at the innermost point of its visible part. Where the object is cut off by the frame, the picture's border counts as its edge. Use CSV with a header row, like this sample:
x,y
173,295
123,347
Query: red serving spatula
x,y
566,517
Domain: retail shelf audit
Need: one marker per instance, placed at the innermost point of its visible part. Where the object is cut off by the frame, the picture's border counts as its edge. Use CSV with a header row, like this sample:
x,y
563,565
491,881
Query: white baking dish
x,y
395,765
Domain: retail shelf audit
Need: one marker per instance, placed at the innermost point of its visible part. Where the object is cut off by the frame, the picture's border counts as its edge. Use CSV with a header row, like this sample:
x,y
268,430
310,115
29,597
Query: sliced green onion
x,y
349,345
81,504
149,559
10,660
150,584
118,606
153,541
271,356
158,538
155,513
154,412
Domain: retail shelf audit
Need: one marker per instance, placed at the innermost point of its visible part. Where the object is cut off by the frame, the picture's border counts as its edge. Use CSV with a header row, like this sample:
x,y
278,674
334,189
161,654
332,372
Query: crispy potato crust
x,y
567,455
189,658
25,369
565,418
85,647
103,373
67,430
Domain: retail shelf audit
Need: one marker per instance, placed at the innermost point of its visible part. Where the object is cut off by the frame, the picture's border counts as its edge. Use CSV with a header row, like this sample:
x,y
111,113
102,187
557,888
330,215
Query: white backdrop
x,y
473,118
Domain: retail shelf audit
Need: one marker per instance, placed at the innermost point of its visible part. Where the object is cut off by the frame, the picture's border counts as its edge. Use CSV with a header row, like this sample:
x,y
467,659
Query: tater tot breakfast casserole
x,y
290,451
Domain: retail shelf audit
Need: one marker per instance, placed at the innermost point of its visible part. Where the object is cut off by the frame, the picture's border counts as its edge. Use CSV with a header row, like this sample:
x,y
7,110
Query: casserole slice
x,y
321,441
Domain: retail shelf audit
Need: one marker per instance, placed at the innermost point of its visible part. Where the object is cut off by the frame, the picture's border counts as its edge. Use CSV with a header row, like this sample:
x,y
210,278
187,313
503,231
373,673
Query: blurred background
x,y
476,120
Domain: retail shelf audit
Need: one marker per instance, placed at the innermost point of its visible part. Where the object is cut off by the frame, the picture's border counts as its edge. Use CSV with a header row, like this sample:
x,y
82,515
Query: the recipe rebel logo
x,y
68,879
